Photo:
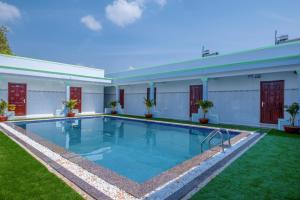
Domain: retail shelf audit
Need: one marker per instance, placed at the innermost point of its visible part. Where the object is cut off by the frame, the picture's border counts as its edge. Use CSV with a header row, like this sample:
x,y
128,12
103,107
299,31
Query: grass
x,y
23,177
269,170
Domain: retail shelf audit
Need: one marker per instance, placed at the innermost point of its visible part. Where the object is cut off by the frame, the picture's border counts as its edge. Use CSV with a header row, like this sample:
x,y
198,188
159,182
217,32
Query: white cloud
x,y
131,67
8,12
123,12
161,3
90,22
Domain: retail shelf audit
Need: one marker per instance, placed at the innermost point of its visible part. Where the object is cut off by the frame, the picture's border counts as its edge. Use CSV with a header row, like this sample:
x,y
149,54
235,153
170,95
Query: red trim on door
x,y
271,101
17,95
75,93
122,98
196,93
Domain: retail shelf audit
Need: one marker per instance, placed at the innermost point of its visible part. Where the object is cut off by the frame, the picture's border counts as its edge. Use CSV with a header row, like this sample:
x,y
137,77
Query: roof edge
x,y
210,57
48,61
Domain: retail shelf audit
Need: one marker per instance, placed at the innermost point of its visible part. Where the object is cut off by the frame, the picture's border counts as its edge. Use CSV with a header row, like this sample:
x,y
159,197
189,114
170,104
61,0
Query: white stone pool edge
x,y
217,172
176,184
101,185
116,193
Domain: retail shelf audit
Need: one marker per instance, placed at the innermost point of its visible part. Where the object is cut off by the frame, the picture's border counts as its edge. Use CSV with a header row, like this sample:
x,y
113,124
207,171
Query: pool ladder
x,y
214,133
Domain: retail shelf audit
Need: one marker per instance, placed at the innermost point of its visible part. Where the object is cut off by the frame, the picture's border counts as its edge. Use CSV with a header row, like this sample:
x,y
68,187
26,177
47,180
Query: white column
x,y
67,91
151,95
117,93
67,97
205,87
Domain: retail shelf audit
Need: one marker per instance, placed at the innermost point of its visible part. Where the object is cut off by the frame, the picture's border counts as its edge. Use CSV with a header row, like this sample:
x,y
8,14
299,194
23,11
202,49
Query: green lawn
x,y
269,170
23,177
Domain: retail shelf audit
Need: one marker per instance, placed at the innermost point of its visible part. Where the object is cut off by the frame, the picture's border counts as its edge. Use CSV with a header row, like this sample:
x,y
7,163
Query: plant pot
x,y
203,121
292,129
3,118
148,116
114,112
71,114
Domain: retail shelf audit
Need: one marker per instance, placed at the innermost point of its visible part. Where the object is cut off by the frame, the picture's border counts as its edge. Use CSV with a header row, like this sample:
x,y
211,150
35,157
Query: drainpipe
x,y
205,87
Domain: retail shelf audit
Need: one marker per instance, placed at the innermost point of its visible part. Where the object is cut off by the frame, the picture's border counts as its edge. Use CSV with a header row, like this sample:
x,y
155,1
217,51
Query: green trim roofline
x,y
47,61
51,72
213,66
210,57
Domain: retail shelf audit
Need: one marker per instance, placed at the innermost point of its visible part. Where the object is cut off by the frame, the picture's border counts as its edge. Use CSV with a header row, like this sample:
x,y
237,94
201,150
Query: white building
x,y
38,87
249,87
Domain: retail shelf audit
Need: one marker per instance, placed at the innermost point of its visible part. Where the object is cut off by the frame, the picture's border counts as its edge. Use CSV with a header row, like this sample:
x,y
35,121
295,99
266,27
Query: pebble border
x,y
101,183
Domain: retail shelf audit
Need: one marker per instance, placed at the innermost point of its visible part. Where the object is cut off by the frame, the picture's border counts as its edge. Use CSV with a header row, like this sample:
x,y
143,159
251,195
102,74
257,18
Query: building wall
x,y
109,95
44,96
236,99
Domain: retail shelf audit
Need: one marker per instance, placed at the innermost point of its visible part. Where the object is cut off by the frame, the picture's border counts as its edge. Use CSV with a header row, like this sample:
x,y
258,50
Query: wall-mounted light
x,y
254,76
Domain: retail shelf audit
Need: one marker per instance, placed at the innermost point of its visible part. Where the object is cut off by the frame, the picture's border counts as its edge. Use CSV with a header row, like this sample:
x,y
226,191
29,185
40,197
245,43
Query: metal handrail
x,y
212,134
202,142
222,139
228,137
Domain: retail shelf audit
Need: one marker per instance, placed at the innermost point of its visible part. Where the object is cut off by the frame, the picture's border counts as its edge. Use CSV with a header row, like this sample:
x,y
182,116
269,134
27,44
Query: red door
x,y
75,93
17,97
122,98
271,101
196,93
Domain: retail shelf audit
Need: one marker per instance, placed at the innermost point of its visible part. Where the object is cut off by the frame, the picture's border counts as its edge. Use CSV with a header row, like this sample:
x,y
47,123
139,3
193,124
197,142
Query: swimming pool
x,y
137,150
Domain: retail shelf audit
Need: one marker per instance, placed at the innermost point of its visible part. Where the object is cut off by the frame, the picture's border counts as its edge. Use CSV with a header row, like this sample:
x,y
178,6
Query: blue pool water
x,y
135,149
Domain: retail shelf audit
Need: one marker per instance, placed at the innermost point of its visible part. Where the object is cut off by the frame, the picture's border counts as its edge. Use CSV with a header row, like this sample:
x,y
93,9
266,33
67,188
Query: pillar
x,y
205,87
67,91
117,93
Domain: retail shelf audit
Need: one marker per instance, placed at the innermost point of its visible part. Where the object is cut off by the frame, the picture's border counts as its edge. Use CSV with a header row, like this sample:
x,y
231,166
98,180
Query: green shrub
x,y
70,105
293,111
149,104
205,106
3,107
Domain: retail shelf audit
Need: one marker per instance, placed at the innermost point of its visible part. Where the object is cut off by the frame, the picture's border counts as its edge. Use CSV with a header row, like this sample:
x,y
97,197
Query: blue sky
x,y
121,34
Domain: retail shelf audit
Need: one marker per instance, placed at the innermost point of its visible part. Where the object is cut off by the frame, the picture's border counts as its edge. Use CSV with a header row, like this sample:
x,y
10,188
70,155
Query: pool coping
x,y
134,190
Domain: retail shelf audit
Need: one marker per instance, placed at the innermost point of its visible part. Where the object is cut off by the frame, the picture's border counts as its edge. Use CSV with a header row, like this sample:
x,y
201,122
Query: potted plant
x,y
205,106
293,110
3,107
149,104
113,105
70,105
